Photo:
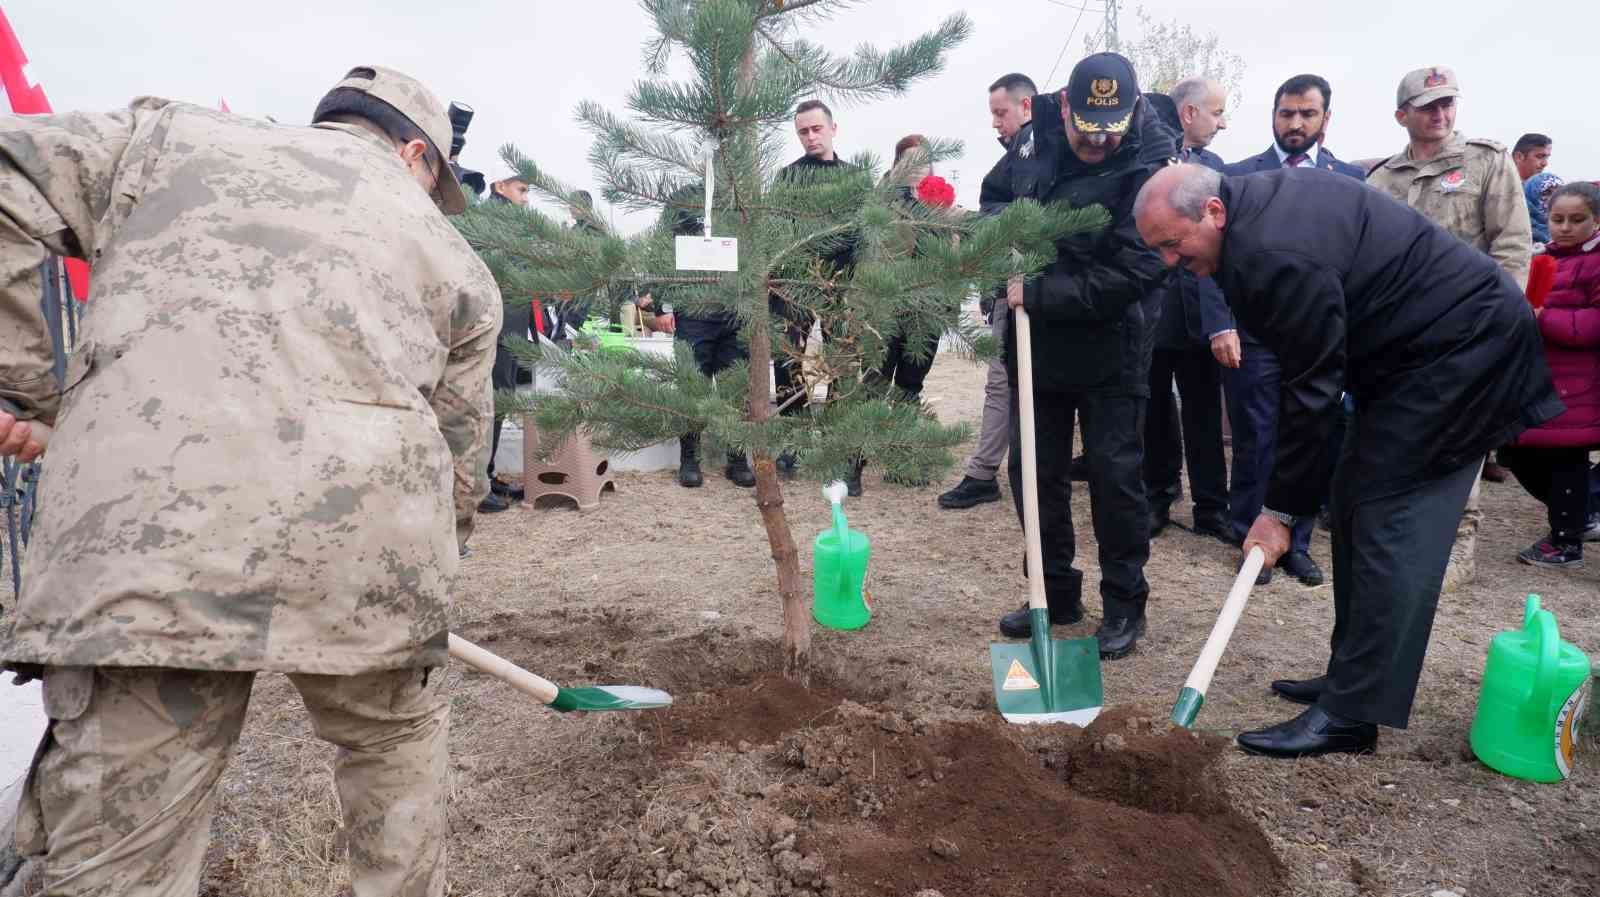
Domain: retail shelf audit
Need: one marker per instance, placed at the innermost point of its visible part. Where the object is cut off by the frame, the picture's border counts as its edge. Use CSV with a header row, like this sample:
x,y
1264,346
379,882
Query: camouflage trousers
x,y
121,794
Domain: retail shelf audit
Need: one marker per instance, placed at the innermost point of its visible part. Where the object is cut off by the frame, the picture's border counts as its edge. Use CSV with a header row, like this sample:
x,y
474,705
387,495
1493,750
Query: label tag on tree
x,y
707,253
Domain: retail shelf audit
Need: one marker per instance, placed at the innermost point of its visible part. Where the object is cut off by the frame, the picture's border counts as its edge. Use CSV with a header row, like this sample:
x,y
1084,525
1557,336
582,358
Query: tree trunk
x,y
769,491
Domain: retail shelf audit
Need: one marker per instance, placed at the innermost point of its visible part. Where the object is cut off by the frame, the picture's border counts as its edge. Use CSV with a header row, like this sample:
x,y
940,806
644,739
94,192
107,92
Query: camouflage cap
x,y
418,104
1423,86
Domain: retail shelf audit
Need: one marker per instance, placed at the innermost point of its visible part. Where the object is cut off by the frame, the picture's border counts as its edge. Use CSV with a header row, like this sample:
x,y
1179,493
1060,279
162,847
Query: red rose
x,y
936,191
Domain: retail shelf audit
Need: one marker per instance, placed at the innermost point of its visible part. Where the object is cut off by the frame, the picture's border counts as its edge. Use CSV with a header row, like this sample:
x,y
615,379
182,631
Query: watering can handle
x,y
1544,679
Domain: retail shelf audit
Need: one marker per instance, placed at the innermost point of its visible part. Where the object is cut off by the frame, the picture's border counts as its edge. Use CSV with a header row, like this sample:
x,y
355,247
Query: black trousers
x,y
1111,427
1389,557
903,370
1193,432
716,347
786,379
1558,477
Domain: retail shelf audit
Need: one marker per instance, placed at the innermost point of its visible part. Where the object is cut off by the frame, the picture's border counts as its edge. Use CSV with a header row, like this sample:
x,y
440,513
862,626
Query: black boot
x,y
1118,635
786,464
689,475
494,504
852,484
1064,601
738,471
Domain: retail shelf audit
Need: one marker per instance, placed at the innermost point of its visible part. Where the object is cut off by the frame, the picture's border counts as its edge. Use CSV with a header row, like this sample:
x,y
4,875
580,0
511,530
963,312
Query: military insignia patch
x,y
1453,181
1104,87
1434,79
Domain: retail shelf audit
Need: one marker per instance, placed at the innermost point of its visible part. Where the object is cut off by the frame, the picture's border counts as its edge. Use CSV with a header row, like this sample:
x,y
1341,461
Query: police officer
x,y
1091,312
1469,186
280,390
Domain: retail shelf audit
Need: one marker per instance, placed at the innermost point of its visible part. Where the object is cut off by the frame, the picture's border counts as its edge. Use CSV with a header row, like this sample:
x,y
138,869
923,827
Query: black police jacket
x,y
1433,340
1094,308
1016,174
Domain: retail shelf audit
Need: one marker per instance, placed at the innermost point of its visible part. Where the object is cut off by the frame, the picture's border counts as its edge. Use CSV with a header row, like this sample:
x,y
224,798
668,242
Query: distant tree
x,y
1165,52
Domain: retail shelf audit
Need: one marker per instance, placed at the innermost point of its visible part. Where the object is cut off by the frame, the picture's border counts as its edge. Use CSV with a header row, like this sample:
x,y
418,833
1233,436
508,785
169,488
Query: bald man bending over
x,y
1443,357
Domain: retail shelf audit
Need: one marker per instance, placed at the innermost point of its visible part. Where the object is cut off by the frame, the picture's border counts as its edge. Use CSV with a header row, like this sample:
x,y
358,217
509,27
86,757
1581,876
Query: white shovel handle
x,y
542,690
1232,609
1030,454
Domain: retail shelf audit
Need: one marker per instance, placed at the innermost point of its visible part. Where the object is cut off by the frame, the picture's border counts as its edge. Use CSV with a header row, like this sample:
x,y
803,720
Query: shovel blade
x,y
610,697
1067,689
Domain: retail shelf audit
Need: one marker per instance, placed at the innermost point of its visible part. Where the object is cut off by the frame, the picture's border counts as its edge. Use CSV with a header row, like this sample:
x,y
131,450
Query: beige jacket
x,y
1472,190
277,416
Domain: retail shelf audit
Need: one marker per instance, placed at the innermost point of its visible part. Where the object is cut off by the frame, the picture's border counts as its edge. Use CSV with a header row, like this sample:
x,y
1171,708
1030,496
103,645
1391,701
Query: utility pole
x,y
1111,26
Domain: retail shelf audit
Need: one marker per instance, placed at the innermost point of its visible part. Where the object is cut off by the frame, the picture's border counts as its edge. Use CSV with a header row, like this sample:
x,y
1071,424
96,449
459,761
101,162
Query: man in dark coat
x,y
1011,108
1301,112
1443,358
1091,312
1193,311
507,373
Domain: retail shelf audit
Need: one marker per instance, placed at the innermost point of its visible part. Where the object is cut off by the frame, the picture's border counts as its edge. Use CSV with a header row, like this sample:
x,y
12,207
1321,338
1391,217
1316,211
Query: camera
x,y
460,119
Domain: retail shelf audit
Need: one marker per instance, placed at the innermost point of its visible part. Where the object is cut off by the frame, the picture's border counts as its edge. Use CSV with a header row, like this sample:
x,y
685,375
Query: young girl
x,y
1552,461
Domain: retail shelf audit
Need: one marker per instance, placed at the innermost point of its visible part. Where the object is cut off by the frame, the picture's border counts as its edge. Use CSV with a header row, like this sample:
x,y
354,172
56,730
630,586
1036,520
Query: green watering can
x,y
839,570
1534,694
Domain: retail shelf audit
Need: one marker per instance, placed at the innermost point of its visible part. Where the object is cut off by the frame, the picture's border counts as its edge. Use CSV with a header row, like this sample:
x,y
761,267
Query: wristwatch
x,y
1281,517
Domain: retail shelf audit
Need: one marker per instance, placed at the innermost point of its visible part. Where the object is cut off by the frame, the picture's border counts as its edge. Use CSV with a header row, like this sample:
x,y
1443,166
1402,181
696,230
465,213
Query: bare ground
x,y
674,587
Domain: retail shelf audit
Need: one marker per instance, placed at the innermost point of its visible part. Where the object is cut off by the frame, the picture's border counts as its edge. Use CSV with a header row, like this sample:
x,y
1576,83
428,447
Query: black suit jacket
x,y
1435,342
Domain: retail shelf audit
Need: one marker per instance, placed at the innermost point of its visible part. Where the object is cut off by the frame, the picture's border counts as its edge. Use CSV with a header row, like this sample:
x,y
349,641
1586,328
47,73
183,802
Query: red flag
x,y
29,99
1541,279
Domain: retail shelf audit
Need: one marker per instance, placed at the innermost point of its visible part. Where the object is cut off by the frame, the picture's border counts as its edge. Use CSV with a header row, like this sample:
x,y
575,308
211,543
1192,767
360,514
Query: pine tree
x,y
913,265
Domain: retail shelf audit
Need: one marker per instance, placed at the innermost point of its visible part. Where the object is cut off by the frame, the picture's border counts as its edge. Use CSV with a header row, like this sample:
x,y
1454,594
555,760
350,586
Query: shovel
x,y
595,697
1047,680
1194,690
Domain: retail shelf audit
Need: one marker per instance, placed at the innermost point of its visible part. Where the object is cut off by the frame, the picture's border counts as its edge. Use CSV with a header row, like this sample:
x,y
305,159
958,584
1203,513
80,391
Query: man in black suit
x,y
1444,360
1301,113
1193,311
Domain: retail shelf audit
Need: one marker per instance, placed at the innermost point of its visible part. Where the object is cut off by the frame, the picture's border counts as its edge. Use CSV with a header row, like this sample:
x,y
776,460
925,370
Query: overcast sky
x,y
524,65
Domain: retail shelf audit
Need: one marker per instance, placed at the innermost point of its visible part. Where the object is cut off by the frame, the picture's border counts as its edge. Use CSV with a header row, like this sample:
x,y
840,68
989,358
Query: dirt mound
x,y
753,713
899,806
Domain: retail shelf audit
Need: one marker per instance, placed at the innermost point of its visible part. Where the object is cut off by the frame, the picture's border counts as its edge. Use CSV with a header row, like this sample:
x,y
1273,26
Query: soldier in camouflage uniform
x,y
271,441
1470,187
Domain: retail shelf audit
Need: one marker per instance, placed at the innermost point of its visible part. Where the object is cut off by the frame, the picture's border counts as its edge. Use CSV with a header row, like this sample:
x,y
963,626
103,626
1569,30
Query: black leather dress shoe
x,y
1160,519
1300,565
1300,691
1118,635
1311,734
1019,623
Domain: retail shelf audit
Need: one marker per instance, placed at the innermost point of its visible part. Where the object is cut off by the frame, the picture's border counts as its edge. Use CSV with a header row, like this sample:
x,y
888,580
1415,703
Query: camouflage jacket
x,y
280,389
1472,190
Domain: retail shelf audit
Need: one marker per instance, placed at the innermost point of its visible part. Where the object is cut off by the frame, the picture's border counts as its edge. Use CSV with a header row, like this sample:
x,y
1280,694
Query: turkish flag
x,y
29,99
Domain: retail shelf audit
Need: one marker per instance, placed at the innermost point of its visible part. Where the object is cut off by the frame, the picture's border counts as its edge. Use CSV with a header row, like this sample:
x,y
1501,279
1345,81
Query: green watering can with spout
x,y
1535,689
839,570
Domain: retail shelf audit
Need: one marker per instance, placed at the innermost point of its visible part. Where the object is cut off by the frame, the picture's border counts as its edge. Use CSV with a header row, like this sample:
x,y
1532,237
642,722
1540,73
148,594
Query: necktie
x,y
1294,160
1184,156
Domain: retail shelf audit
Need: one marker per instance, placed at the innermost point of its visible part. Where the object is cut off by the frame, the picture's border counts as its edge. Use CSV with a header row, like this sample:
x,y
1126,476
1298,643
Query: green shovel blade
x,y
1048,681
610,697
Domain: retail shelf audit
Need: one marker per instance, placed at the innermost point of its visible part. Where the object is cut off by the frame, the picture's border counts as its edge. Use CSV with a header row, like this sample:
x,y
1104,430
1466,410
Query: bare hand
x,y
24,440
1270,535
1014,292
1225,349
666,324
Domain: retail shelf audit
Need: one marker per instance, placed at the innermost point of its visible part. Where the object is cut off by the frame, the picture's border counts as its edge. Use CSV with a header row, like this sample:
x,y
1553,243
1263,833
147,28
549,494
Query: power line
x,y
1064,44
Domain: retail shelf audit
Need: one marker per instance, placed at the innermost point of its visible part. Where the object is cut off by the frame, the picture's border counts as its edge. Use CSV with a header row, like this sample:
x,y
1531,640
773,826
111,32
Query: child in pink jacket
x,y
1552,461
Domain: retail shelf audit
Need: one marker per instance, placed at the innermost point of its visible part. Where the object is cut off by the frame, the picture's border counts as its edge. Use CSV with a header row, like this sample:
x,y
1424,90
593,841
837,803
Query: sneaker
x,y
1545,553
970,492
1591,530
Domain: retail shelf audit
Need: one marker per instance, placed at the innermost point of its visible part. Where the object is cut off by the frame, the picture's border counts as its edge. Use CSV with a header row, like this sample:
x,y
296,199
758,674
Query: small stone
x,y
784,843
929,892
944,848
674,879
1113,742
1321,867
693,824
891,722
1443,892
1451,802
1521,806
745,747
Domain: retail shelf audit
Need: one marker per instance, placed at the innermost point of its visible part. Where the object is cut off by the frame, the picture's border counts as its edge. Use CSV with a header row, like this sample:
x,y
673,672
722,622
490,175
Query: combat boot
x,y
738,471
689,475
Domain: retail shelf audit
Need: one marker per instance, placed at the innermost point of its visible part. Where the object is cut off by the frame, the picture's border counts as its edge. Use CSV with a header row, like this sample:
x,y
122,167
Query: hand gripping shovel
x,y
1194,690
1048,680
597,697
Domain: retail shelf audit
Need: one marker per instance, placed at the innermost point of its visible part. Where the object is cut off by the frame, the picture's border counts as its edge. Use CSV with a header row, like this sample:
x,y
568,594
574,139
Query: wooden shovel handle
x,y
1232,609
489,663
1030,455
